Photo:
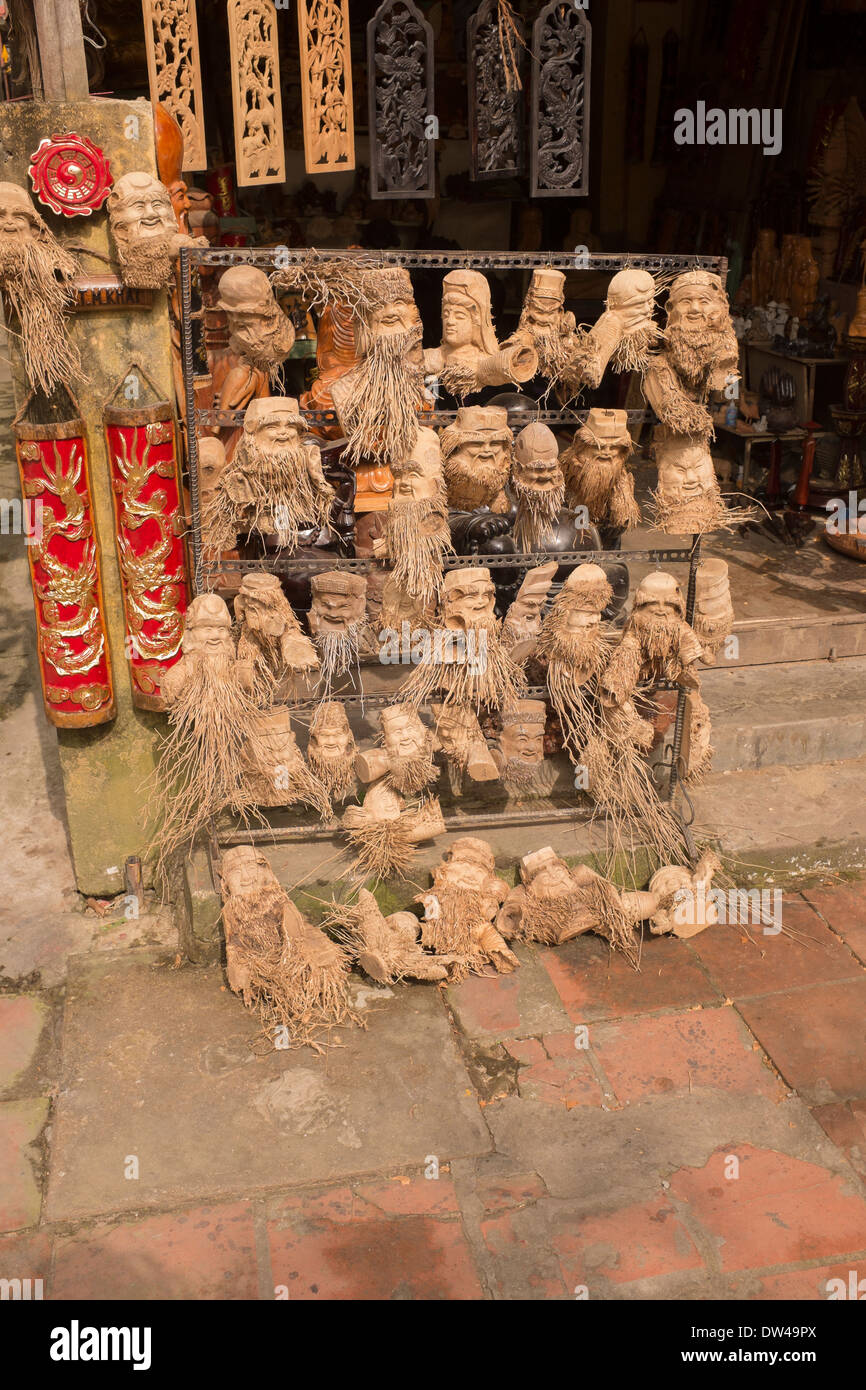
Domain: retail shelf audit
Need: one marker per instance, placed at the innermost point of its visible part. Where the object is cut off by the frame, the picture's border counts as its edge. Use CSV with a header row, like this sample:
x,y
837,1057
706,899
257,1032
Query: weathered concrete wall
x,y
103,768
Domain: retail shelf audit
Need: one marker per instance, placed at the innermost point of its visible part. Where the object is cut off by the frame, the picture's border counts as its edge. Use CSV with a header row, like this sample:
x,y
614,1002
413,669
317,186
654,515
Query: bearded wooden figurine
x,y
459,738
259,331
465,658
622,337
576,648
282,966
687,499
713,621
378,400
521,626
417,535
386,948
212,732
275,771
596,476
544,324
36,278
331,750
657,643
538,484
338,623
270,636
383,831
398,608
470,357
274,483
476,457
145,231
523,769
686,904
461,908
211,466
699,354
554,904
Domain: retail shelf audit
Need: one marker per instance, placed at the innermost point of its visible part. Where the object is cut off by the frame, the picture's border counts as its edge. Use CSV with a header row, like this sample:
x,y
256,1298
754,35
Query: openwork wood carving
x,y
495,111
326,85
400,74
174,71
559,158
256,101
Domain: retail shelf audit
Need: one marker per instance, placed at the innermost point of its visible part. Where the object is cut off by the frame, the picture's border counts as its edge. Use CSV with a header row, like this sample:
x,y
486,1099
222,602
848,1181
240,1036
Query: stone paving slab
x,y
22,1019
844,907
158,1065
816,1037
21,1122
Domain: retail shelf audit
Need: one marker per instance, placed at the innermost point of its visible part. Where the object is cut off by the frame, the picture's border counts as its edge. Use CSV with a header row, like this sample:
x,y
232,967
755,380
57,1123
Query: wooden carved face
x,y
523,738
470,603
331,740
245,870
405,736
17,216
336,606
420,477
686,471
397,316
552,879
139,207
697,306
536,458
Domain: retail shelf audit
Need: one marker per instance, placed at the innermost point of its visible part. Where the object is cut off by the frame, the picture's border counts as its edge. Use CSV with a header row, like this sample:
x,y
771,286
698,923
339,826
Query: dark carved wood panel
x,y
495,113
402,124
559,155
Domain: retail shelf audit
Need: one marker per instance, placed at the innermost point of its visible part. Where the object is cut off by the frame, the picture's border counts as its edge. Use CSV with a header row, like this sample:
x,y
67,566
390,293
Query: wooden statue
x,y
622,337
687,500
523,769
714,612
596,474
700,354
417,535
270,635
476,458
459,738
575,648
338,623
145,231
657,643
469,356
460,910
544,323
387,948
331,750
537,483
36,278
274,767
260,332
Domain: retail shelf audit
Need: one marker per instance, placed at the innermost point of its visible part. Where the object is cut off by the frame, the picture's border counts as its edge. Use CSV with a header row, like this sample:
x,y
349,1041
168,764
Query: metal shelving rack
x,y
195,417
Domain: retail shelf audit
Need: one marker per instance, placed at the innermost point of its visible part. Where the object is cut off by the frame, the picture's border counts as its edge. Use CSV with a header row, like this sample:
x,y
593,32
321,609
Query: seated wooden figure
x,y
460,910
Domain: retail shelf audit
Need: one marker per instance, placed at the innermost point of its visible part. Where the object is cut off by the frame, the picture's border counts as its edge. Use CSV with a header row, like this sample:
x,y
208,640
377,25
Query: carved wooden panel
x,y
174,71
326,85
559,154
402,124
495,113
256,102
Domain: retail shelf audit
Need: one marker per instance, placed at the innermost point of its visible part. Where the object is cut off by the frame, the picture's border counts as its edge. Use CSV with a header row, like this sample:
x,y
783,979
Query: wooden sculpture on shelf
x,y
386,948
461,908
174,71
256,99
476,458
657,643
377,401
212,735
575,649
554,903
465,658
519,755
274,483
686,904
331,750
470,357
596,475
335,356
274,768
144,227
544,323
338,623
537,483
687,499
459,738
521,626
384,831
260,332
326,85
699,354
36,279
713,619
622,337
282,966
417,536
270,637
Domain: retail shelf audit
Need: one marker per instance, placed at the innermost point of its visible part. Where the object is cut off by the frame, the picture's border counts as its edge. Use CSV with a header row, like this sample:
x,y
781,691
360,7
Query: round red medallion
x,y
70,175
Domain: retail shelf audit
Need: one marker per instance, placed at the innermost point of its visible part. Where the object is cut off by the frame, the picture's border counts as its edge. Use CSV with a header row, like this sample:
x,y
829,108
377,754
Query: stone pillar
x,y
104,767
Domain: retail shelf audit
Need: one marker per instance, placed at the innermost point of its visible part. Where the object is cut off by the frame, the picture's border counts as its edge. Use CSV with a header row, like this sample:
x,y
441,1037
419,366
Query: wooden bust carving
x,y
460,910
596,474
476,458
259,330
470,357
36,278
146,235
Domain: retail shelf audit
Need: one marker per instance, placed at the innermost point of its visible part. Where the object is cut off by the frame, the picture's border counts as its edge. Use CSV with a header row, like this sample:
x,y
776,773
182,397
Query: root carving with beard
x,y
544,325
538,485
212,730
465,659
523,768
276,774
338,623
688,500
595,470
274,483
700,354
331,750
553,904
576,648
287,970
624,335
146,236
476,458
417,536
271,637
386,948
384,832
460,911
36,278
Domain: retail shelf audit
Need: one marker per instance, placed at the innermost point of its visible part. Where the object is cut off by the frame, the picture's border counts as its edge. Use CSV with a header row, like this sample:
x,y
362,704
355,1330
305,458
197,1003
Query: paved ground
x,y
695,1130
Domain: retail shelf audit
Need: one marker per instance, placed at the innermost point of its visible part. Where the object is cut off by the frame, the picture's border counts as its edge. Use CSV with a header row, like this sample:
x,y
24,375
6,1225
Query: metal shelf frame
x,y
272,258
